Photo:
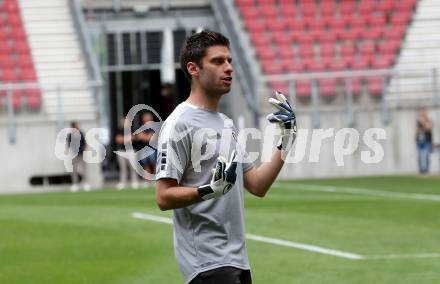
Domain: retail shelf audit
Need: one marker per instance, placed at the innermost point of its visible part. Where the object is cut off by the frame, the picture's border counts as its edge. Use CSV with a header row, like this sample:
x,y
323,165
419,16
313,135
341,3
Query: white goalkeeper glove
x,y
223,178
286,119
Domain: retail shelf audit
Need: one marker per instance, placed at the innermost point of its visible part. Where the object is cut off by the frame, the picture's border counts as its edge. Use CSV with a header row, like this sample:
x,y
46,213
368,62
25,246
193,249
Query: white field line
x,y
399,256
301,246
361,191
257,238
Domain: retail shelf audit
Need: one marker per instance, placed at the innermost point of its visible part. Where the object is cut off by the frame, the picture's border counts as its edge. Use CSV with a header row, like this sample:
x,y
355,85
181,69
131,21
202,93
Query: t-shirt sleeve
x,y
174,151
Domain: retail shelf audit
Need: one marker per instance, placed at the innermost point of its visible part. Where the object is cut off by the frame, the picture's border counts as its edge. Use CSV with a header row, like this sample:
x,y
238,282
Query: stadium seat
x,y
286,51
33,98
308,10
327,87
303,88
272,67
306,50
346,7
288,11
283,38
275,25
250,13
269,11
375,85
327,9
254,26
261,38
336,27
281,86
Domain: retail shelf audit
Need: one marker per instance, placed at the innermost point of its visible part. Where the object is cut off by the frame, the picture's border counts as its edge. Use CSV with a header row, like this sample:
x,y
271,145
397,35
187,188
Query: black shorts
x,y
224,275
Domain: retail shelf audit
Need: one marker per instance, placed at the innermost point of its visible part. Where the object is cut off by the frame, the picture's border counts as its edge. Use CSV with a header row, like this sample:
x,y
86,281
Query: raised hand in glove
x,y
223,178
286,119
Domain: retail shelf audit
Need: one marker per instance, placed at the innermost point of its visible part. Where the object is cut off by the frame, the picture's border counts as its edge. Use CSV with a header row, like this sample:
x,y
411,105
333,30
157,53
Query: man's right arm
x,y
169,195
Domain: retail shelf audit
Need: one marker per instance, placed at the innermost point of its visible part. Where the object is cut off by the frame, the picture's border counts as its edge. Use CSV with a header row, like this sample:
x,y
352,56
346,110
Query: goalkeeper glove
x,y
223,178
286,119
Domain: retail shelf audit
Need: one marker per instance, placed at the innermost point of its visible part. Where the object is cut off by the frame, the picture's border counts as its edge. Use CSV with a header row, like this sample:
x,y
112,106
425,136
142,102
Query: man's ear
x,y
193,68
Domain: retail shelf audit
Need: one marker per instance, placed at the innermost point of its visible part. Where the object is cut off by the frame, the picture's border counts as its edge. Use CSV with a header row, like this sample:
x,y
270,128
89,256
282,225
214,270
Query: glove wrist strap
x,y
205,192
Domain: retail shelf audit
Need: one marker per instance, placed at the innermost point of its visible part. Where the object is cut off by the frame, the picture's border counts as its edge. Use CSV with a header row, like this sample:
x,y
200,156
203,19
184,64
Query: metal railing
x,y
401,88
12,114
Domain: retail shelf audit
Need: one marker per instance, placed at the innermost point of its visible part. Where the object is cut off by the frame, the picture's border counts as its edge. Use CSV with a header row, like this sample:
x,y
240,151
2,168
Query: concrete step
x,y
56,51
57,66
55,45
74,73
58,58
49,38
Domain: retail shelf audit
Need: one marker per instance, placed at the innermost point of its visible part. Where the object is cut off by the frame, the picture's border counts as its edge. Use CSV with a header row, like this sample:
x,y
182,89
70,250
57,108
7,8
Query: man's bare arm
x,y
169,195
258,180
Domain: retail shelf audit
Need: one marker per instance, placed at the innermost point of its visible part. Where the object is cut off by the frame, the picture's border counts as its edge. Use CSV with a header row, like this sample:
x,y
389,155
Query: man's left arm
x,y
258,180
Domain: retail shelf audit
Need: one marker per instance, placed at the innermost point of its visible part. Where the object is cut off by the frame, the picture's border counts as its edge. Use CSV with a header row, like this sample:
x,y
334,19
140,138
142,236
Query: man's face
x,y
215,74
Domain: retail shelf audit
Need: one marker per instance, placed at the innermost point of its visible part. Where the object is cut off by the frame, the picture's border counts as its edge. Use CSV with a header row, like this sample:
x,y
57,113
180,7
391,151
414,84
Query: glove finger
x,y
233,157
273,118
219,169
282,98
279,105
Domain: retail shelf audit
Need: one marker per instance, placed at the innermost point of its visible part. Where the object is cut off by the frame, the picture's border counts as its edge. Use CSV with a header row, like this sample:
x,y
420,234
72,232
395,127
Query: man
x,y
148,161
424,140
125,162
209,235
76,144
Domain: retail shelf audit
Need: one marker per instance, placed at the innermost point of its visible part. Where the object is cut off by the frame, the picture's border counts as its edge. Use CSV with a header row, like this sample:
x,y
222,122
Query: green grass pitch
x,y
90,237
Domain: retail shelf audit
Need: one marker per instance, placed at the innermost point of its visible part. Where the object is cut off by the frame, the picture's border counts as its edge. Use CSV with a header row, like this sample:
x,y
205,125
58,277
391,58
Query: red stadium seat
x,y
367,49
317,66
28,75
327,9
308,10
385,6
338,65
266,2
360,64
356,22
269,11
5,48
347,7
254,26
354,83
261,38
22,47
8,75
33,98
272,67
375,85
281,86
303,88
283,38
250,13
327,50
245,3
275,25
366,7
400,19
373,33
288,11
395,32
327,87
376,20
338,23
287,51
347,49
266,52
307,51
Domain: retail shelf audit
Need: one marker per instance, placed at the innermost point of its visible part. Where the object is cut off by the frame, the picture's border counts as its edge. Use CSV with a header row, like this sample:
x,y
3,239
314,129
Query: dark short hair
x,y
195,46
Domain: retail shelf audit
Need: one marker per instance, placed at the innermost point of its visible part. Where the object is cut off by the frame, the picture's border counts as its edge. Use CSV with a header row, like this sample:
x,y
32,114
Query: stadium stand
x,y
16,64
58,59
307,36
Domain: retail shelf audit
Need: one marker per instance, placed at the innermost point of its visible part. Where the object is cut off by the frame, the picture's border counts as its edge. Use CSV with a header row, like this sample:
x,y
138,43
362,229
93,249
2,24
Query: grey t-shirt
x,y
208,234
